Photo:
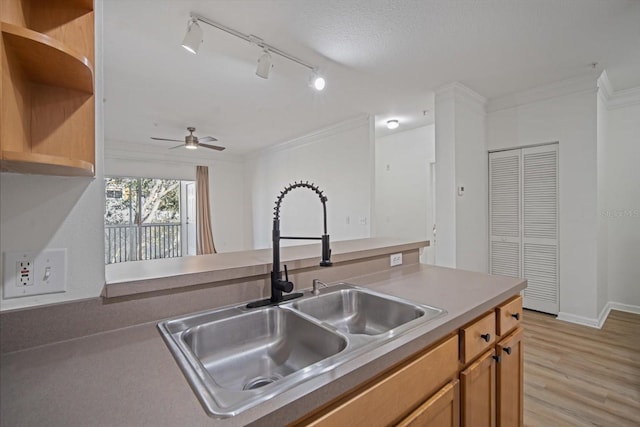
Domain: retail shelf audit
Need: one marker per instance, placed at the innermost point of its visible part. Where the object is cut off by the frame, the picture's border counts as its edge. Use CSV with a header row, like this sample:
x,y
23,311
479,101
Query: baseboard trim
x,y
598,322
623,307
580,320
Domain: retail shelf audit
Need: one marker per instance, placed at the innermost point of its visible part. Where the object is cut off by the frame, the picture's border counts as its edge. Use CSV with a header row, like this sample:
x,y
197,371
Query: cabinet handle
x,y
486,337
516,316
507,350
496,358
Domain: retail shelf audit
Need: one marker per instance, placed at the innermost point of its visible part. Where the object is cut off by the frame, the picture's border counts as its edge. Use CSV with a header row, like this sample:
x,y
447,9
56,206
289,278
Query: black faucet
x,y
278,285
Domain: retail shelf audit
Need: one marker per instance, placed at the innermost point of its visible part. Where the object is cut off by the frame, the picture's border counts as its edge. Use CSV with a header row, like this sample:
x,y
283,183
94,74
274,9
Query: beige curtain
x,y
204,235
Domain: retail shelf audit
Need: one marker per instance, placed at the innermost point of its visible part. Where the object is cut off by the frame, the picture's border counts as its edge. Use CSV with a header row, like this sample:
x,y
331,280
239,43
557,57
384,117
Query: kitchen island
x,y
128,377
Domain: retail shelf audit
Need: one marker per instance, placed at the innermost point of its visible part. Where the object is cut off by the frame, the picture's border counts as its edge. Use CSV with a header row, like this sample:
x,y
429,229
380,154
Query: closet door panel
x,y
505,213
540,227
524,217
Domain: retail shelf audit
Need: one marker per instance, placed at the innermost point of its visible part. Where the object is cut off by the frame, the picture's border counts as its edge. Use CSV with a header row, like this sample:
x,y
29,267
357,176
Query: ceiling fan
x,y
192,142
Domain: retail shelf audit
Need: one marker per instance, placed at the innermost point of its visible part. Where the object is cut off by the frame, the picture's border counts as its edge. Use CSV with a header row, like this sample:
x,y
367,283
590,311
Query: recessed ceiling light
x,y
393,124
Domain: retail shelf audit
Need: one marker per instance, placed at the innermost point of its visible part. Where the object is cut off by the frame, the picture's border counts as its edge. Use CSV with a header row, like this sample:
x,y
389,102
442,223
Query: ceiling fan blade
x,y
165,139
207,139
177,146
213,147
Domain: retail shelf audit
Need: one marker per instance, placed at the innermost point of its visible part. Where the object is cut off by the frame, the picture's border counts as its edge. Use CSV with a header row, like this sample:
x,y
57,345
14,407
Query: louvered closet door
x,y
523,215
504,213
540,227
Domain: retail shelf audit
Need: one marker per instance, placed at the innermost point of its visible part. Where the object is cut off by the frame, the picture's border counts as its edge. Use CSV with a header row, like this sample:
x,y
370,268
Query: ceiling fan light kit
x,y
191,142
194,38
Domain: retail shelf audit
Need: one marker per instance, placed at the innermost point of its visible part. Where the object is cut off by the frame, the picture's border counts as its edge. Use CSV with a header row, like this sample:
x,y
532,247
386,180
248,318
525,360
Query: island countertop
x,y
128,278
128,377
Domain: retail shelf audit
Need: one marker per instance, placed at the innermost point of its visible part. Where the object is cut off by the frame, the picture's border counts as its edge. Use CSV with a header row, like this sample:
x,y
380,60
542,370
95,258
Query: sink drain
x,y
260,382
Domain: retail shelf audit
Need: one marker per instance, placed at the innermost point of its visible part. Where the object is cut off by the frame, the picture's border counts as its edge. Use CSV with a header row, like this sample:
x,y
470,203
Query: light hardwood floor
x,y
580,376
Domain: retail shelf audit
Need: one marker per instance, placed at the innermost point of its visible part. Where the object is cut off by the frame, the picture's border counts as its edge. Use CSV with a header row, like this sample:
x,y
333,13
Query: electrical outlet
x,y
28,273
396,259
24,272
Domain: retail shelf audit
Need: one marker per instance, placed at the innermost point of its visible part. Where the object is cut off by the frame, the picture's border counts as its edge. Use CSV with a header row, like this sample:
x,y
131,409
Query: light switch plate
x,y
47,273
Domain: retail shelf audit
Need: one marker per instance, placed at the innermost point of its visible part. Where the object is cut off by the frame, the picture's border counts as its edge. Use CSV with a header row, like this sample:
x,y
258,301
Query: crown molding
x,y
458,91
323,133
579,84
623,98
616,98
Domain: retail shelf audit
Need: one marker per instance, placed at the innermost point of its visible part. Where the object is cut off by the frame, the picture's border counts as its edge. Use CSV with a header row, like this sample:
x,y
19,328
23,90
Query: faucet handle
x,y
284,285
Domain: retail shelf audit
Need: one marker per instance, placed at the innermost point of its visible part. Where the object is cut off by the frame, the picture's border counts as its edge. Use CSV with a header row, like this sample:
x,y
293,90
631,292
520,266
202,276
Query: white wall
x,y
446,228
570,120
402,183
472,172
226,184
47,212
622,213
461,161
602,124
339,160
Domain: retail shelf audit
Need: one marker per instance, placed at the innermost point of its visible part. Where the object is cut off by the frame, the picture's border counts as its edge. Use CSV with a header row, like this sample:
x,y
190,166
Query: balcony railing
x,y
148,241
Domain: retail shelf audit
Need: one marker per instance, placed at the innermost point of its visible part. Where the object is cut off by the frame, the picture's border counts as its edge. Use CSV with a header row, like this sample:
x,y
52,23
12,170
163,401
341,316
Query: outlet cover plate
x,y
48,273
396,259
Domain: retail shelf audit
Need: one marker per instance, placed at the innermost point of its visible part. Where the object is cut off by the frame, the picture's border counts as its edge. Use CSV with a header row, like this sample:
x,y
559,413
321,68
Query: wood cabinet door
x,y
394,396
441,410
478,387
510,385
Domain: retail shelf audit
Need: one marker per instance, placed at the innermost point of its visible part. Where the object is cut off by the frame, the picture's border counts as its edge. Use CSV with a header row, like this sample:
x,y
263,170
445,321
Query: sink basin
x,y
359,312
235,358
259,348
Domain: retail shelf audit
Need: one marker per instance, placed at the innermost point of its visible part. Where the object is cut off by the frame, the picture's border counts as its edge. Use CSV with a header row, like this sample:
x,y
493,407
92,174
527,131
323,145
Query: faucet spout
x,y
278,285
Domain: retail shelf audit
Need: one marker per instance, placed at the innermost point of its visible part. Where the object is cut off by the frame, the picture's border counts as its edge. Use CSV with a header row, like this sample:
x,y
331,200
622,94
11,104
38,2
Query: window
x,y
148,218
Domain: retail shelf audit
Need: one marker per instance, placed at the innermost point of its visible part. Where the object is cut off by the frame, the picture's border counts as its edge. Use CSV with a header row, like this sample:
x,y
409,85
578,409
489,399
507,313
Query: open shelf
x,y
48,61
43,164
78,4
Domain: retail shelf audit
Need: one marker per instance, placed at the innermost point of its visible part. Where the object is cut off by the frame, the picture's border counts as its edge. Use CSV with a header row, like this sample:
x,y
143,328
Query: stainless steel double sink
x,y
235,358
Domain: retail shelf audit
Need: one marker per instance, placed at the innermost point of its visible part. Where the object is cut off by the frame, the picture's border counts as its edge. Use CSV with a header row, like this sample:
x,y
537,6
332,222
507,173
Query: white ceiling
x,y
380,57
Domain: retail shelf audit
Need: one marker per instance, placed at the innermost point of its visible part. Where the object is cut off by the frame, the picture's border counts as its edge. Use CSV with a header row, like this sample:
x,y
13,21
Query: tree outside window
x,y
142,219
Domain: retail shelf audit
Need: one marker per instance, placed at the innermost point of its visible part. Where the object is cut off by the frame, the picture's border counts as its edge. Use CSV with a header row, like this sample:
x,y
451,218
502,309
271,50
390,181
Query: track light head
x,y
265,64
317,81
193,38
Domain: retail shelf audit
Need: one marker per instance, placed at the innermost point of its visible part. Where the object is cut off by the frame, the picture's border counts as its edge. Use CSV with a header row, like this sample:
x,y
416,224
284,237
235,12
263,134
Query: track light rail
x,y
253,40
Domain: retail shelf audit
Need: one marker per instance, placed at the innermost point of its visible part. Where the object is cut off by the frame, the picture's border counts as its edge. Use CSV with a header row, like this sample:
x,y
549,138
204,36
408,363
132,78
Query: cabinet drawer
x,y
477,337
509,315
397,394
441,410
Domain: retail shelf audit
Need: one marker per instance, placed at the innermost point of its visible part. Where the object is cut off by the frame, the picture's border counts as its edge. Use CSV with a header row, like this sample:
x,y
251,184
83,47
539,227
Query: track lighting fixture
x,y
393,124
265,64
193,39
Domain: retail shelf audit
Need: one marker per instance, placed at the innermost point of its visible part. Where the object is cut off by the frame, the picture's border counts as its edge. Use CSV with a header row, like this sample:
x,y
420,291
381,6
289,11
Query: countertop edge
x,y
139,277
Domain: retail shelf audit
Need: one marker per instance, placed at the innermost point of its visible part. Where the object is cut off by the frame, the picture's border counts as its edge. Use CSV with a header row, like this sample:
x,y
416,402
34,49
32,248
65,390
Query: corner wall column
x,y
461,161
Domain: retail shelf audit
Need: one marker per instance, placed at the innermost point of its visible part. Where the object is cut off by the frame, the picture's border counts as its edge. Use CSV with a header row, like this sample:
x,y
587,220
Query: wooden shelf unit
x,y
47,112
